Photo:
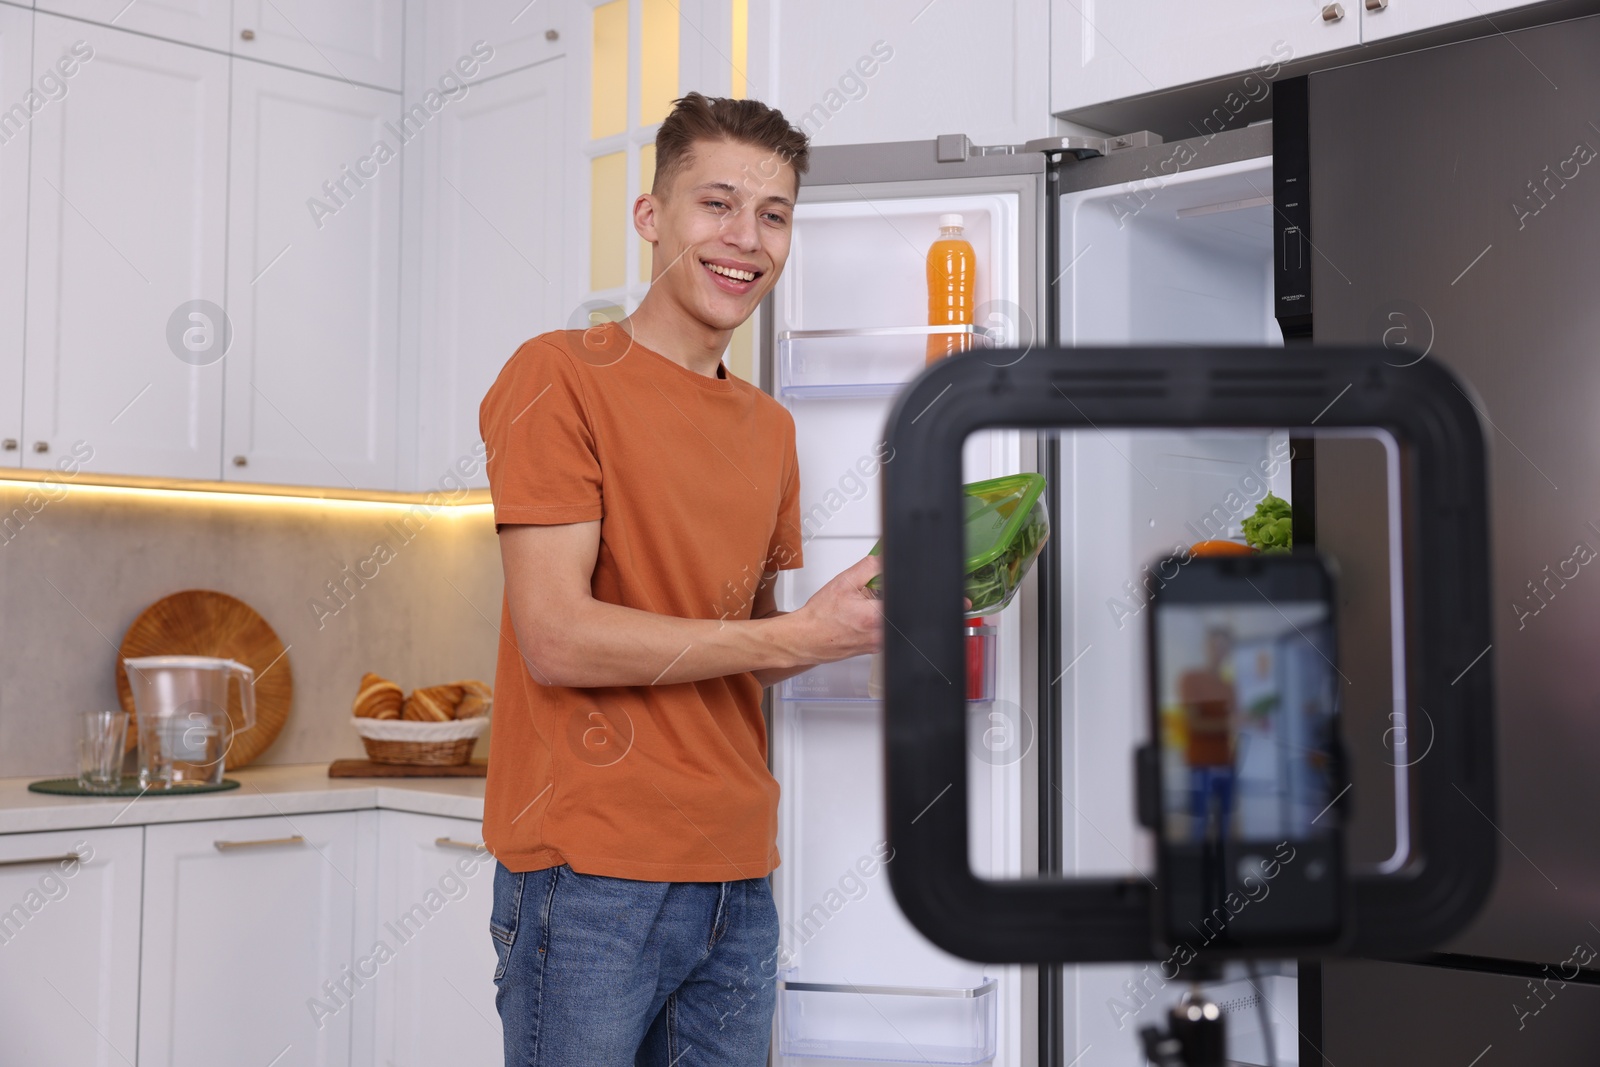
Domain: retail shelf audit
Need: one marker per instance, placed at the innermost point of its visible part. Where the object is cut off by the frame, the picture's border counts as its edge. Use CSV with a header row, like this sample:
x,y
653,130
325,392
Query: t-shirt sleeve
x,y
786,550
543,466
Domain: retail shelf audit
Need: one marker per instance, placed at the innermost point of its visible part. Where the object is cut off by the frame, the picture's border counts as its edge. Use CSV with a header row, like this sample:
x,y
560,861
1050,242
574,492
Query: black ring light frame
x,y
1446,610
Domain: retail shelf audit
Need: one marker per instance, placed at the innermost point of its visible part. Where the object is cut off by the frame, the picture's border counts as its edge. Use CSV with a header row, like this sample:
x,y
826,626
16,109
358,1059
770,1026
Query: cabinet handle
x,y
223,846
1333,13
450,842
41,446
552,35
240,461
247,35
67,857
9,444
1377,5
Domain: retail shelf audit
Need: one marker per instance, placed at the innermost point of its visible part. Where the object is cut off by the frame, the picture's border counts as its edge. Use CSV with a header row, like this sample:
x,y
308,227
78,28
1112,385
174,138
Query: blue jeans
x,y
610,972
1204,783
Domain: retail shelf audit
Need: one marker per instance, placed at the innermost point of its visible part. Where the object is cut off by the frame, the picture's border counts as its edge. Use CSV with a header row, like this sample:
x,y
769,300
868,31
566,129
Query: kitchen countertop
x,y
280,790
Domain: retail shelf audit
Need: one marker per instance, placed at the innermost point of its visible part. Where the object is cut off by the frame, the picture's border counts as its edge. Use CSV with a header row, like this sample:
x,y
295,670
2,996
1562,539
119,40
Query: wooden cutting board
x,y
362,768
204,622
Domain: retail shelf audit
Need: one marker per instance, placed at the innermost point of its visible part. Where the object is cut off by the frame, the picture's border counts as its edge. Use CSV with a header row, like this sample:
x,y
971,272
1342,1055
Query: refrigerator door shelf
x,y
865,363
858,680
887,1024
844,681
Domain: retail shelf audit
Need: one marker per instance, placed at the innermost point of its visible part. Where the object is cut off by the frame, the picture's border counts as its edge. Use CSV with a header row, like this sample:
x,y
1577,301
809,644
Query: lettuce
x,y
1270,529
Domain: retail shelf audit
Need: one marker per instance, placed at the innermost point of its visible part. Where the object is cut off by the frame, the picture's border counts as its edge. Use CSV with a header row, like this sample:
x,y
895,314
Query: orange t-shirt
x,y
1207,701
696,486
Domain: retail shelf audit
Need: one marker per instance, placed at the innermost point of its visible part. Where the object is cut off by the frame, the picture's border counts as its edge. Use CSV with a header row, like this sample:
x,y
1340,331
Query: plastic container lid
x,y
947,222
997,510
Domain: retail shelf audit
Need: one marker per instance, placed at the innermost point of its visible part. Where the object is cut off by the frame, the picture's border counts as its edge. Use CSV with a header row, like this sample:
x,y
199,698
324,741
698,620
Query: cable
x,y
1266,1018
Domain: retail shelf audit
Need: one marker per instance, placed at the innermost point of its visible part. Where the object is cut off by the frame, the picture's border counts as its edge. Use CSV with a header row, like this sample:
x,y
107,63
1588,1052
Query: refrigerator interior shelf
x,y
877,1022
862,364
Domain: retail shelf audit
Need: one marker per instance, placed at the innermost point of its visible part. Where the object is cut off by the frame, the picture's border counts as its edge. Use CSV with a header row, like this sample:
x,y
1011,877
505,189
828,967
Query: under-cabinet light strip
x,y
474,504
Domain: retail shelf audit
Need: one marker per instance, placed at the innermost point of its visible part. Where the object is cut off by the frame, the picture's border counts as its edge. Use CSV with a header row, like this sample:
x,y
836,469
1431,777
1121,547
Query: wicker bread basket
x,y
420,744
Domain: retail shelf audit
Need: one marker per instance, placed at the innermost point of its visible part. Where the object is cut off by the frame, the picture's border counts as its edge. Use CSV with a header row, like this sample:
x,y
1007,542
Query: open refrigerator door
x,y
845,331
1172,248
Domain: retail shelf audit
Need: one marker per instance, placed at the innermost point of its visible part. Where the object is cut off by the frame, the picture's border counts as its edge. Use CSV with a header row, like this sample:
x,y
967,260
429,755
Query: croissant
x,y
436,703
474,701
379,698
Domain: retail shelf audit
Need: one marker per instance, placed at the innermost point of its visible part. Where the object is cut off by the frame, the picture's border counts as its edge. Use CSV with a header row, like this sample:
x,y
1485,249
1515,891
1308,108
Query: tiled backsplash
x,y
76,571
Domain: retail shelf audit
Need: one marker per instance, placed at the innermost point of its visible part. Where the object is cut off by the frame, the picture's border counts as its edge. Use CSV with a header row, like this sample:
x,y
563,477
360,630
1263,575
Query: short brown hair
x,y
720,118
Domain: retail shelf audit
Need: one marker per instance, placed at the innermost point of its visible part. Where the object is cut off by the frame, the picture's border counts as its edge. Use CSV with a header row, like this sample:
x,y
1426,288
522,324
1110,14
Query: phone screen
x,y
1246,695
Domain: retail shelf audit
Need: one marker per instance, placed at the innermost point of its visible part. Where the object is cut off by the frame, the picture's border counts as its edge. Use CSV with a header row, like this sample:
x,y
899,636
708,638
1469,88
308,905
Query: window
x,y
643,55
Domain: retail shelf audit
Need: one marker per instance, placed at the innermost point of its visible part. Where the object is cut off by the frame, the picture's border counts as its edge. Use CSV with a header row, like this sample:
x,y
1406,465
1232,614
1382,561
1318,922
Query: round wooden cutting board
x,y
203,622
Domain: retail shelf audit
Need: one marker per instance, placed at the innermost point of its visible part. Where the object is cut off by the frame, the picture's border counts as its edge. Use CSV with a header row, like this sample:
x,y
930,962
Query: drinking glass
x,y
101,740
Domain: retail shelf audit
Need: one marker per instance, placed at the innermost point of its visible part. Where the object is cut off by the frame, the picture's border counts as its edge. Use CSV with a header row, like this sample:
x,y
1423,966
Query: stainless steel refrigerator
x,y
1453,214
1444,204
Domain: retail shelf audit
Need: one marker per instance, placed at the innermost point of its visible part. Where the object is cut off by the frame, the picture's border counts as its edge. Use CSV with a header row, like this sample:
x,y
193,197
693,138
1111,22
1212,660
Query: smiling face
x,y
721,229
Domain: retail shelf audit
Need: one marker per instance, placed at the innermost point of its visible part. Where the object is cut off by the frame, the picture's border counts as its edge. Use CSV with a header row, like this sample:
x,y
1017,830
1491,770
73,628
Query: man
x,y
1209,710
645,501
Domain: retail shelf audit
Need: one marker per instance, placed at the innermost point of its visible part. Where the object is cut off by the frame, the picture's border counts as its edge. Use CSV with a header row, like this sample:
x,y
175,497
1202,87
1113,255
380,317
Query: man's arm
x,y
766,607
569,638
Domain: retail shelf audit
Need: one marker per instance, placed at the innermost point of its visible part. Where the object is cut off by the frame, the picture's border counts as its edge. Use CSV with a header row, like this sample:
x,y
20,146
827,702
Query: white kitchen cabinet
x,y
1407,16
1103,51
248,942
519,34
16,49
493,258
351,40
435,994
201,22
854,73
313,281
69,947
127,218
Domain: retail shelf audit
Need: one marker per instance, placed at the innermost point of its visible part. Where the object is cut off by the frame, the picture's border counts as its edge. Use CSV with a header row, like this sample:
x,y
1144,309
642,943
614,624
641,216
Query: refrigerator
x,y
1453,210
1443,204
1082,241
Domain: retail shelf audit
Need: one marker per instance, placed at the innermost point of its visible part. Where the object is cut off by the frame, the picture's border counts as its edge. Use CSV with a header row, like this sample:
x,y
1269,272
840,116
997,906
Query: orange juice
x,y
952,281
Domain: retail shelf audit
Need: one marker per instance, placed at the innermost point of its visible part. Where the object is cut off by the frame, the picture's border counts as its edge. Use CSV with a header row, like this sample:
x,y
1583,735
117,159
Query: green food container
x,y
1007,525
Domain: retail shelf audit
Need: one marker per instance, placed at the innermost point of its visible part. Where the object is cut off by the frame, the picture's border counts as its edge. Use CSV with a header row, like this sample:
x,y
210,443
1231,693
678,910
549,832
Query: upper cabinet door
x,y
313,281
903,72
69,983
351,40
249,928
16,46
492,253
516,33
127,220
201,22
1108,51
1407,16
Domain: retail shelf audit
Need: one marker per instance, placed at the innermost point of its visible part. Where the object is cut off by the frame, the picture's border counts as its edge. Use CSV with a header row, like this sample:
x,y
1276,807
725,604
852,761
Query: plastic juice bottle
x,y
952,281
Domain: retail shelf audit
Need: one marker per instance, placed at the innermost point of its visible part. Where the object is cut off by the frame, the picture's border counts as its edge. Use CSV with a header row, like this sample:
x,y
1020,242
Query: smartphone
x,y
1242,780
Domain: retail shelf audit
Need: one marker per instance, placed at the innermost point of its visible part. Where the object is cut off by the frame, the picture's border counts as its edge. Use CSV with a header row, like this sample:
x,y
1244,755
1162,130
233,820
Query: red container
x,y
981,657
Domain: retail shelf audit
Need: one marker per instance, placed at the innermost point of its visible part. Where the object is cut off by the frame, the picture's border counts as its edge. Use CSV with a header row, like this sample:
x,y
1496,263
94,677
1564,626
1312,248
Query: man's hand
x,y
843,618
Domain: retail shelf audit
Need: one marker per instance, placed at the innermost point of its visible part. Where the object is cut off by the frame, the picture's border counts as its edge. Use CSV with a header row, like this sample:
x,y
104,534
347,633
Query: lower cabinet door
x,y
431,959
69,947
248,942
